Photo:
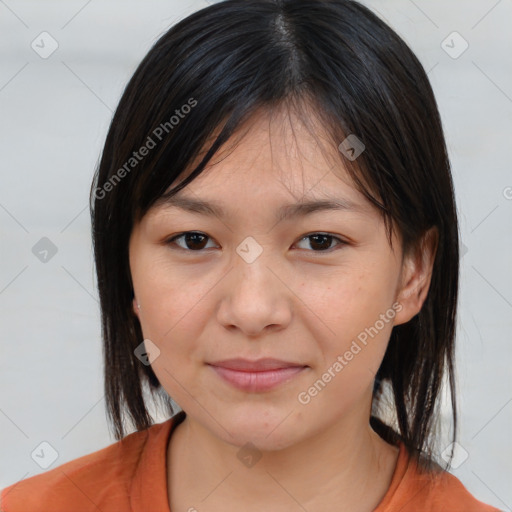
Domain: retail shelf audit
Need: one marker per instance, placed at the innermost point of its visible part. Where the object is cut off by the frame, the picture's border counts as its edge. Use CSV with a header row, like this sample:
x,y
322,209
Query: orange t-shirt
x,y
131,476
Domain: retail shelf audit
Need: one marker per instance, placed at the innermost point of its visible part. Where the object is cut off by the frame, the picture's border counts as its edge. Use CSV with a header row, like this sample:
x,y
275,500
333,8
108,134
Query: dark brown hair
x,y
216,68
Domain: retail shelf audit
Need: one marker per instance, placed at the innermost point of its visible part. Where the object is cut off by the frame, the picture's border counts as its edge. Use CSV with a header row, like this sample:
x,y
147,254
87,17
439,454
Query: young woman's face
x,y
318,291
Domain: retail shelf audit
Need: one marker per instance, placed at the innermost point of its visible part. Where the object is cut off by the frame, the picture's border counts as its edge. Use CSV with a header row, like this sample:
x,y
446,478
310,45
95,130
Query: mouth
x,y
256,376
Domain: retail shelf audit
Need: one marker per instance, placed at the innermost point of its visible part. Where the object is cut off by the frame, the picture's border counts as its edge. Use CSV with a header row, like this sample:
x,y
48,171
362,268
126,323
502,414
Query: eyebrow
x,y
288,211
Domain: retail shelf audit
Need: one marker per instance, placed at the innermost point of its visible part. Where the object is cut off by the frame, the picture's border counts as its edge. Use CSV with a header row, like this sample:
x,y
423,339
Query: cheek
x,y
361,320
172,302
349,301
174,313
356,313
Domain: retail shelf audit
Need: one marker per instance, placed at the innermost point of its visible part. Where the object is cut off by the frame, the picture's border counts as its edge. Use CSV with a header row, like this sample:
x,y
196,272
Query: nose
x,y
255,299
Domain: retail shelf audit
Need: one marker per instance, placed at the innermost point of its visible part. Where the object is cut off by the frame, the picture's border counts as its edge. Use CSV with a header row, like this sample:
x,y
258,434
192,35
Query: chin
x,y
261,439
263,428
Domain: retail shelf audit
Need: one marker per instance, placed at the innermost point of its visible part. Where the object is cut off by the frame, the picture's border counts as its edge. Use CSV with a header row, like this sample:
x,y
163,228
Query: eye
x,y
322,241
195,241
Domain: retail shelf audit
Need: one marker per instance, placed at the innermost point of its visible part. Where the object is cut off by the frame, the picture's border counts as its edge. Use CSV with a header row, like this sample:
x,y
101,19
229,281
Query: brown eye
x,y
192,240
321,242
195,241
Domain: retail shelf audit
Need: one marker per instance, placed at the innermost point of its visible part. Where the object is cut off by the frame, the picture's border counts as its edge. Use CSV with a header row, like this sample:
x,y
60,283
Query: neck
x,y
346,467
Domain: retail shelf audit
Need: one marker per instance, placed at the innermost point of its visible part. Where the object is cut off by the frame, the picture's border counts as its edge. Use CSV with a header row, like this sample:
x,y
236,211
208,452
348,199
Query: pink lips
x,y
259,375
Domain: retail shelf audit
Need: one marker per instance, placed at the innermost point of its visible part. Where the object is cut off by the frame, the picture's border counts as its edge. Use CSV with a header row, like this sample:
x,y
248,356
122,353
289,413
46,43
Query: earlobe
x,y
136,307
416,277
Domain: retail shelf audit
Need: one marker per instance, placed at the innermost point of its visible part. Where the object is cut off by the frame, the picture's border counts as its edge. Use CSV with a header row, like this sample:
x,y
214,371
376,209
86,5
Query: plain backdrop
x,y
54,114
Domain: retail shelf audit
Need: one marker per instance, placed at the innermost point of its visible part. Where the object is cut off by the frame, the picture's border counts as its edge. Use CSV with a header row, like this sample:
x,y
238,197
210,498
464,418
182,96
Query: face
x,y
305,302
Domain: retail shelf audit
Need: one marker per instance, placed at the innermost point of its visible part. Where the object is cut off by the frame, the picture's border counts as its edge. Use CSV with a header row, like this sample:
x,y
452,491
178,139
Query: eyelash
x,y
171,240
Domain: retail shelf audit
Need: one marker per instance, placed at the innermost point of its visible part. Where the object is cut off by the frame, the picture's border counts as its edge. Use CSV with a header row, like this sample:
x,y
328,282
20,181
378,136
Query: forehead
x,y
273,155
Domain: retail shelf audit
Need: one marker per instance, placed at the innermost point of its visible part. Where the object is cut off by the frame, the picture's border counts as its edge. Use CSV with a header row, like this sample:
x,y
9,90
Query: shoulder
x,y
449,491
101,479
415,490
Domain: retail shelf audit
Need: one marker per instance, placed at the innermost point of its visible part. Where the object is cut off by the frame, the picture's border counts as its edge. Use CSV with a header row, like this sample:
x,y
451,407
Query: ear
x,y
415,276
135,307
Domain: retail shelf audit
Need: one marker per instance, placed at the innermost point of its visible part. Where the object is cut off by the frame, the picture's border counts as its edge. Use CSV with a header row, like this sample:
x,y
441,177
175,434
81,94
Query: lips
x,y
259,365
256,376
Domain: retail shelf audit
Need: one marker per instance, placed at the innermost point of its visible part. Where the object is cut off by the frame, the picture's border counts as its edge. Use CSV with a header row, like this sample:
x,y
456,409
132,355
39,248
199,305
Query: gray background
x,y
54,114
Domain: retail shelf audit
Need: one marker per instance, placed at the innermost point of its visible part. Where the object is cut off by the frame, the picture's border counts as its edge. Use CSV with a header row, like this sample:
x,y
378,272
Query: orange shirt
x,y
131,476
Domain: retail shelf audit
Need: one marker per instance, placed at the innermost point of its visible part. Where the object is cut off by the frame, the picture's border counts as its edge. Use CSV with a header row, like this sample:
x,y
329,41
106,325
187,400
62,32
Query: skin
x,y
298,301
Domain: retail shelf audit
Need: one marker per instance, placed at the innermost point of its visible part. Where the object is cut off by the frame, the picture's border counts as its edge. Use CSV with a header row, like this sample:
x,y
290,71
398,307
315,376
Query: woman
x,y
276,245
